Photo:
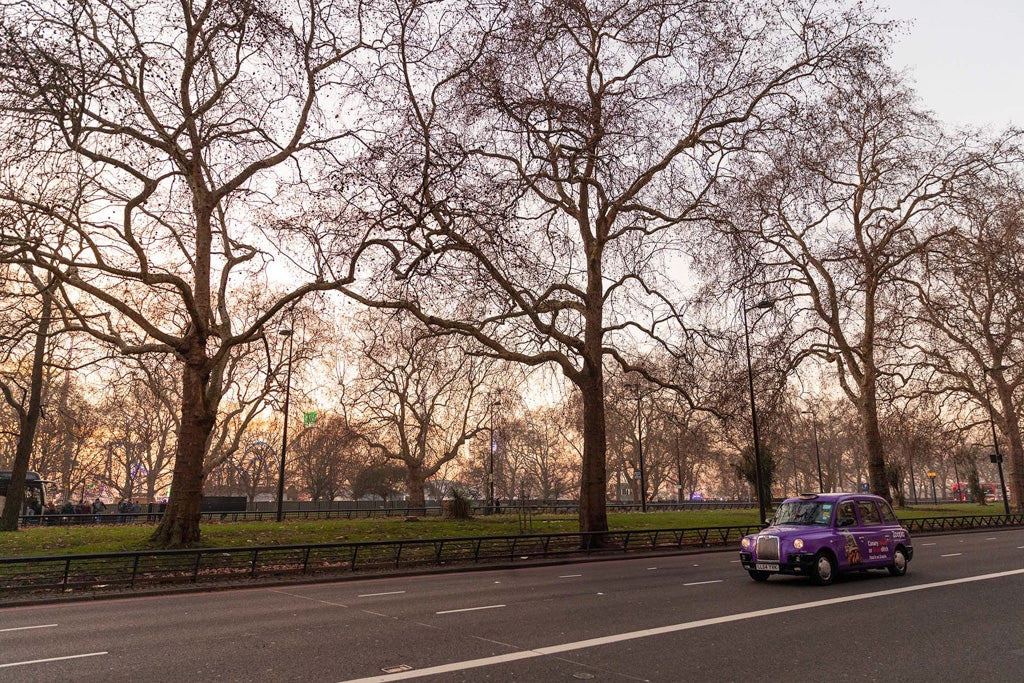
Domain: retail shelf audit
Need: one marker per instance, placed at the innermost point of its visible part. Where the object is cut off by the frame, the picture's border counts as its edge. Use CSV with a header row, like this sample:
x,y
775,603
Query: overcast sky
x,y
966,56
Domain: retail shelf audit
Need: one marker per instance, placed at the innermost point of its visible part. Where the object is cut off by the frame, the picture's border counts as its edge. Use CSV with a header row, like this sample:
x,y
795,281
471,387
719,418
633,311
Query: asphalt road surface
x,y
957,615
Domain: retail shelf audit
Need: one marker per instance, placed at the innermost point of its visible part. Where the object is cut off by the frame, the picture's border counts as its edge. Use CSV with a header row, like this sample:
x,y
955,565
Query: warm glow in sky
x,y
966,57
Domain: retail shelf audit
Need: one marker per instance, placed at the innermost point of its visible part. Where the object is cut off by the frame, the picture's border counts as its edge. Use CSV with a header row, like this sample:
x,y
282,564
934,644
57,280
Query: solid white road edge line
x,y
373,595
26,628
468,609
51,659
701,583
570,576
951,555
673,628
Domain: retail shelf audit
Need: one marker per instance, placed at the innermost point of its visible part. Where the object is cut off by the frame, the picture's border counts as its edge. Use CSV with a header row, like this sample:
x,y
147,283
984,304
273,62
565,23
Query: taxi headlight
x,y
745,543
798,543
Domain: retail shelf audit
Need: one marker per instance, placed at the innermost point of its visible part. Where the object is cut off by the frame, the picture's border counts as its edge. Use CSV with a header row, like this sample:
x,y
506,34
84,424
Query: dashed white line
x,y
26,628
570,576
51,659
951,555
374,595
701,583
468,609
734,561
991,538
651,568
672,628
927,544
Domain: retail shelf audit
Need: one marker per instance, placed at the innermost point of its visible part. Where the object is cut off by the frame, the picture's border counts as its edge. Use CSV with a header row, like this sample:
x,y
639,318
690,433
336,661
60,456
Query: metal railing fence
x,y
113,570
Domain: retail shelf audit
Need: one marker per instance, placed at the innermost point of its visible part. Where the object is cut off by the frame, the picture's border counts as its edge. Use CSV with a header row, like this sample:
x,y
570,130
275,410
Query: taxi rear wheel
x,y
824,569
758,575
899,563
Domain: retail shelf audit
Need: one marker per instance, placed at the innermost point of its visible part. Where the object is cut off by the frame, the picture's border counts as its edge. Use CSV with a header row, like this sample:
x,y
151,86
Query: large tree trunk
x,y
179,525
1011,428
593,483
28,419
415,483
873,448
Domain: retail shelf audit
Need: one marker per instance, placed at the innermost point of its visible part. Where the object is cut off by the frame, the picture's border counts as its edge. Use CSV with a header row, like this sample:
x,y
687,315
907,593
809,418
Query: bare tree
x,y
176,111
971,303
838,210
421,396
544,155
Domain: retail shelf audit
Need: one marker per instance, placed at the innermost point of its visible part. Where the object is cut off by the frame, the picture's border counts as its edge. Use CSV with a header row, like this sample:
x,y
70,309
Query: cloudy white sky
x,y
966,56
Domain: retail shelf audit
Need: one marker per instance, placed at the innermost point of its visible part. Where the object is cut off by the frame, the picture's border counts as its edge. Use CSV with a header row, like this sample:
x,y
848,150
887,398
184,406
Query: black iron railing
x,y
109,570
113,570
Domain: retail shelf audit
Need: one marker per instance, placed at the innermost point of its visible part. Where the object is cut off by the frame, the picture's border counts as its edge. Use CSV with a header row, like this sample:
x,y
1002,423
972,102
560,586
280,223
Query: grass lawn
x,y
115,538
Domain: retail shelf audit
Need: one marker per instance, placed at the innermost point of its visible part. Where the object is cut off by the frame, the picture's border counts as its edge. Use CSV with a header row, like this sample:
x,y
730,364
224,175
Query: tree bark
x,y
28,420
179,525
1011,429
415,482
593,513
873,448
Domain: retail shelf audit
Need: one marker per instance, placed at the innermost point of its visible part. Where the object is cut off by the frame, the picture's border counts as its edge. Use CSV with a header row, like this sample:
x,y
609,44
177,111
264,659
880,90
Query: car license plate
x,y
768,566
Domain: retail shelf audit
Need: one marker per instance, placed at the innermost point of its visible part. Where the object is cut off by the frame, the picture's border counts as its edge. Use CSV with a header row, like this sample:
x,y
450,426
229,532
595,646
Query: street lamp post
x,y
284,432
817,451
995,440
758,470
490,461
935,497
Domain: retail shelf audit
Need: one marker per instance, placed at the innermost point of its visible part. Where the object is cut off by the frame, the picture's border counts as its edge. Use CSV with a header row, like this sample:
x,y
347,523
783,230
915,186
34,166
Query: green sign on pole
x,y
309,419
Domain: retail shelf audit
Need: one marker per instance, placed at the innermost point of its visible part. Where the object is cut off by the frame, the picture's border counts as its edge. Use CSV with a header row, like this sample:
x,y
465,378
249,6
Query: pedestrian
x,y
98,508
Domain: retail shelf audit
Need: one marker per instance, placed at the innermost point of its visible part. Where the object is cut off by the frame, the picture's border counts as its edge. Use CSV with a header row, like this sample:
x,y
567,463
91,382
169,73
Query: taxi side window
x,y
887,514
869,513
845,515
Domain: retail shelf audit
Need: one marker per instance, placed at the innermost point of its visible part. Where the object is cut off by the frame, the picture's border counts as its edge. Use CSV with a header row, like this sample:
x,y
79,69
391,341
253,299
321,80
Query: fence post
x,y
252,568
305,560
195,569
67,570
135,570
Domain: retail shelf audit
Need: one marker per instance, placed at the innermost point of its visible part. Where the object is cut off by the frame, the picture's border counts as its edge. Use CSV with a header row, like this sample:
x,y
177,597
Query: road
x,y
959,613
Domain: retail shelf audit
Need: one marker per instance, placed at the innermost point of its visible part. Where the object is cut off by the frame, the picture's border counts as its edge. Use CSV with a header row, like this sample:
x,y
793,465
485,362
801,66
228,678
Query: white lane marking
x,y
951,555
927,544
374,595
701,583
570,576
51,659
734,561
1020,547
991,538
468,609
651,568
673,628
26,628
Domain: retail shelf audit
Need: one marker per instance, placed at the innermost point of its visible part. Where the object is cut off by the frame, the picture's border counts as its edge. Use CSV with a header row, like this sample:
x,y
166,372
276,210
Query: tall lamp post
x,y
817,451
995,440
490,461
635,386
284,432
758,471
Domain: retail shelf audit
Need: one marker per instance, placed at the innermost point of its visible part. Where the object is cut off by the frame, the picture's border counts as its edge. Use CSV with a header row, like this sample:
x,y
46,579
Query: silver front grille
x,y
767,547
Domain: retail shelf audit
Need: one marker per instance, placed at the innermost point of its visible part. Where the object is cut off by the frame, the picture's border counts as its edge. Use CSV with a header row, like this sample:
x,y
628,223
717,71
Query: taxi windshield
x,y
808,512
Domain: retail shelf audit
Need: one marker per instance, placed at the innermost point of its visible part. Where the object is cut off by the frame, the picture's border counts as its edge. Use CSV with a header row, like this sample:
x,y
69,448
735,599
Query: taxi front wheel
x,y
824,568
899,563
758,575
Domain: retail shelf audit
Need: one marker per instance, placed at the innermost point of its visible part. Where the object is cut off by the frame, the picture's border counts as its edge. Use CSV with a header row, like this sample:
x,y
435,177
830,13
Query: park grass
x,y
37,541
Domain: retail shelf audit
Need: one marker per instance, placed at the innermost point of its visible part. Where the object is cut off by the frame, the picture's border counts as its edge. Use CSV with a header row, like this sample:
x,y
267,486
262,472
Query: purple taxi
x,y
822,534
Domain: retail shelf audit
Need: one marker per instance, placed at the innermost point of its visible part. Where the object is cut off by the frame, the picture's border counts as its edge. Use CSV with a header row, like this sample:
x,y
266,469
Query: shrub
x,y
458,507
